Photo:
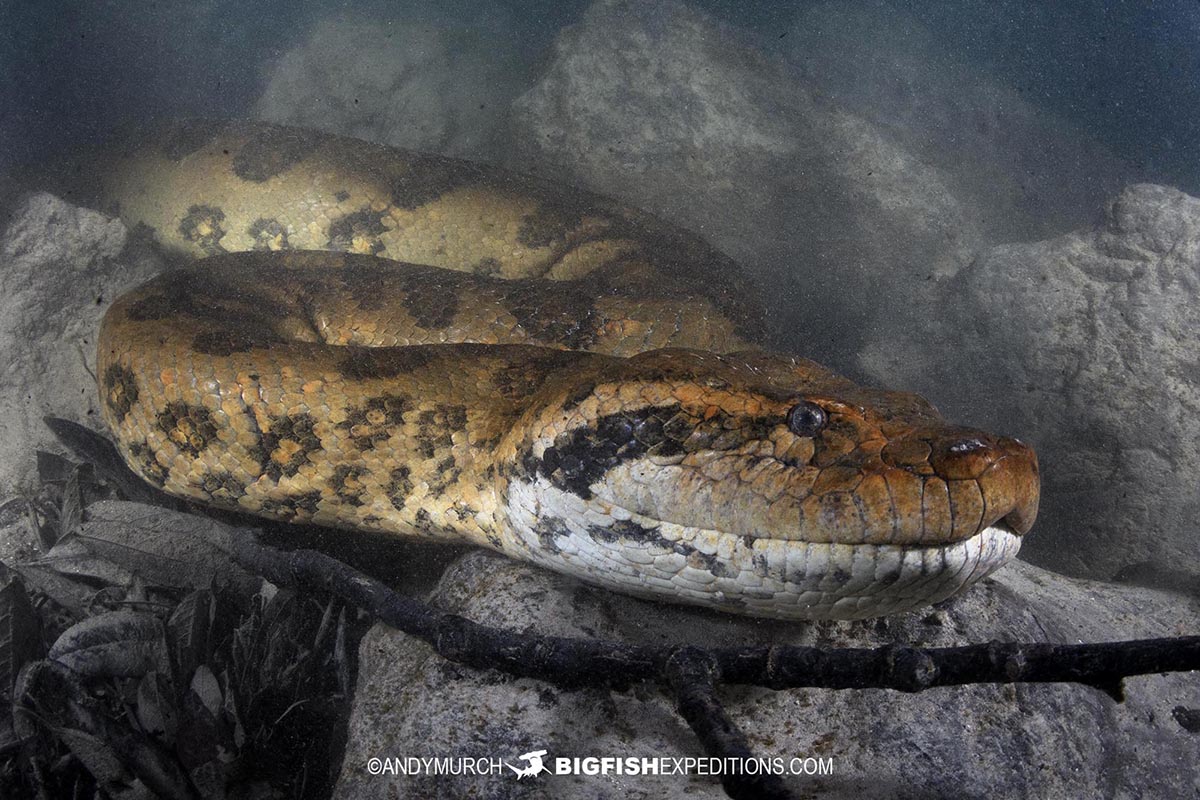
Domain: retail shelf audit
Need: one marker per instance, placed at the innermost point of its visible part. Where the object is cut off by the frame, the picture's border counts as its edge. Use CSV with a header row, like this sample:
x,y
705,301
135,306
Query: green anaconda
x,y
550,375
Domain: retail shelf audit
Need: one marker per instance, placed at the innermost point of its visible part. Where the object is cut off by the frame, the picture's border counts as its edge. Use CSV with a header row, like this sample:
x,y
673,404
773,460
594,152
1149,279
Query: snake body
x,y
550,375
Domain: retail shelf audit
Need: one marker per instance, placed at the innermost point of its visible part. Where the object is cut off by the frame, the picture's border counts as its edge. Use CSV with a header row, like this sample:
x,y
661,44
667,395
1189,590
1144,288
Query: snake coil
x,y
384,341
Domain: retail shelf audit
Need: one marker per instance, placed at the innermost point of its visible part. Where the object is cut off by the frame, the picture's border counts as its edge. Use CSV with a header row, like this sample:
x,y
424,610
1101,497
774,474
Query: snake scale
x,y
551,375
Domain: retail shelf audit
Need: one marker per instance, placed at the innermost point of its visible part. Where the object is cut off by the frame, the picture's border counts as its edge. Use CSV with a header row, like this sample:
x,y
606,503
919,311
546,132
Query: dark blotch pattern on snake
x,y
539,371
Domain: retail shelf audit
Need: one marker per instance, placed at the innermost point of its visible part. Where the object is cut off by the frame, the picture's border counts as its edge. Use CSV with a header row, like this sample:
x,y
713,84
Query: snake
x,y
369,339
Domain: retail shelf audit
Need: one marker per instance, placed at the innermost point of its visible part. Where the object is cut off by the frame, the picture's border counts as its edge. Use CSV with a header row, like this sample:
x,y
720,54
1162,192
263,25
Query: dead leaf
x,y
70,594
191,632
70,514
53,468
95,449
124,644
20,633
156,710
208,689
166,547
70,556
126,763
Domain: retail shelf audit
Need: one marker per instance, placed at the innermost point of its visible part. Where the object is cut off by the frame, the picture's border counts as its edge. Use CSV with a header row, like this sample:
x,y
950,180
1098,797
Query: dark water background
x,y
1126,72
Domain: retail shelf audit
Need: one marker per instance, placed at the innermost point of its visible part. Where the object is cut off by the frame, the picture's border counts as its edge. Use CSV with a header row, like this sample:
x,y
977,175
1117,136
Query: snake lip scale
x,y
377,340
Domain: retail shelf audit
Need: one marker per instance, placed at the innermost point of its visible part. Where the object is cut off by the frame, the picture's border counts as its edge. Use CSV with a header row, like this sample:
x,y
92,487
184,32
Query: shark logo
x,y
534,767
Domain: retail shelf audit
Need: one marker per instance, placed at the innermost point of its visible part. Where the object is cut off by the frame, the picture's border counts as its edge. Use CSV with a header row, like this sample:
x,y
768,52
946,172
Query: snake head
x,y
761,484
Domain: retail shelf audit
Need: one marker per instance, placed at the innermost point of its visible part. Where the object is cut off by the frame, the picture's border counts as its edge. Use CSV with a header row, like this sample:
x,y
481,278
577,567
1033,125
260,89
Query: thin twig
x,y
617,665
693,674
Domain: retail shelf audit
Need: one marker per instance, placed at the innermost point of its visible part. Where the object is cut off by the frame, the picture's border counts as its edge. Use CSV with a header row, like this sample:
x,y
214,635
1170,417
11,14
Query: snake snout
x,y
970,480
1023,468
1003,468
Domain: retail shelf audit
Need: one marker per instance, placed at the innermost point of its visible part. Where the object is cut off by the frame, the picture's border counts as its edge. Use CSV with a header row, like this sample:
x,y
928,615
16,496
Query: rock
x,y
1085,345
840,214
62,265
1024,741
416,83
666,108
1024,169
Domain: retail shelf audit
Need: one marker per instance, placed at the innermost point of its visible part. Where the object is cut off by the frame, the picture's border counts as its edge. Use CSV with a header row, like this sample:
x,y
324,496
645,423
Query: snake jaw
x,y
850,484
702,491
610,546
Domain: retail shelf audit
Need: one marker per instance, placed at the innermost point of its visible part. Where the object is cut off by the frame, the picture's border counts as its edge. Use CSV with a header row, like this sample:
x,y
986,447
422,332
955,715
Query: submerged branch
x,y
693,673
599,663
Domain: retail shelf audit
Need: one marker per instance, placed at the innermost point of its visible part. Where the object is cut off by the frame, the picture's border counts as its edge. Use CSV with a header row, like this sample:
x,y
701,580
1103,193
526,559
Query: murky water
x,y
986,203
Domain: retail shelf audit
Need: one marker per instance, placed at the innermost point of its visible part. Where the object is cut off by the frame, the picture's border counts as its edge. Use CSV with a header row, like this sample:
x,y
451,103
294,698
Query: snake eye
x,y
806,419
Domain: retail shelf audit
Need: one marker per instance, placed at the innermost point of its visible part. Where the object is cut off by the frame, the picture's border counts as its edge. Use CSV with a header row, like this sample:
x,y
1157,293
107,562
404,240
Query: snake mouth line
x,y
1014,523
788,579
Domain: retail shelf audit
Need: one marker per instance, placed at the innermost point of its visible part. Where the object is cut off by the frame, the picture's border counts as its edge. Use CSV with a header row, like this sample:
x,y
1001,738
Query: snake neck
x,y
394,440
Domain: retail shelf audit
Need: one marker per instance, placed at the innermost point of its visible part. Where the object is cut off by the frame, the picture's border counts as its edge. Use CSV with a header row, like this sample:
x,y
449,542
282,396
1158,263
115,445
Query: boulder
x,y
1086,346
417,82
844,213
1024,168
667,108
62,264
1021,741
